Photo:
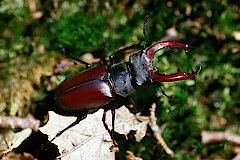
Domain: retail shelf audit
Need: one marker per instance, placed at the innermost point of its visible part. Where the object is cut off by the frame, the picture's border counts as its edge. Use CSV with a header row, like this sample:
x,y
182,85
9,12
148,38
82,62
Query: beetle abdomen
x,y
82,77
85,96
85,90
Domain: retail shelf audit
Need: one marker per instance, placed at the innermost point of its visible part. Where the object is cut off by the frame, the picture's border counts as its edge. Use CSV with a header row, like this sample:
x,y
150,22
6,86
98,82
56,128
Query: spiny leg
x,y
76,59
136,107
113,120
79,118
106,126
170,97
104,123
112,58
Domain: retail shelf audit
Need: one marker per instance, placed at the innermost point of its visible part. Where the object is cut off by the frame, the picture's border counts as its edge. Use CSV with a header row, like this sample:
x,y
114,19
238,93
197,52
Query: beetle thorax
x,y
120,76
140,75
127,77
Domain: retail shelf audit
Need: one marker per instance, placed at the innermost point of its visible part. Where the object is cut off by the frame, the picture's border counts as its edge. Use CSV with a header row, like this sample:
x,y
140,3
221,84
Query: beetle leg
x,y
76,59
104,122
136,107
133,103
79,118
106,126
169,97
113,57
113,120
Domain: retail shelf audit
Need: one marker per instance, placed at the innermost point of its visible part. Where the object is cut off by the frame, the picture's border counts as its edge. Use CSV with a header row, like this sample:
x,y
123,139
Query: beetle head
x,y
149,53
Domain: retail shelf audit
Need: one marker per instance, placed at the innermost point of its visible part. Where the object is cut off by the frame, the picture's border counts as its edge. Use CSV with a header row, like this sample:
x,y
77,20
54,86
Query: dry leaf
x,y
89,139
126,121
18,156
10,140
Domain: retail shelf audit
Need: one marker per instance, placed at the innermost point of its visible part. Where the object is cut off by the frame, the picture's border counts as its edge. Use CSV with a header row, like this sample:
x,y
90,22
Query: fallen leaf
x,y
89,139
10,140
126,121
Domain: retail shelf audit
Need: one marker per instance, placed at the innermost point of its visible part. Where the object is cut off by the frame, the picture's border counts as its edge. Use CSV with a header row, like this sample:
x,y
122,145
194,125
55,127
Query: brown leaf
x,y
89,139
10,140
18,156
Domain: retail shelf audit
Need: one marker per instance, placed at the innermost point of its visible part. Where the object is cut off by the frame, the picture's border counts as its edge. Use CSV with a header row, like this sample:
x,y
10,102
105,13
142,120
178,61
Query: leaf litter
x,y
89,139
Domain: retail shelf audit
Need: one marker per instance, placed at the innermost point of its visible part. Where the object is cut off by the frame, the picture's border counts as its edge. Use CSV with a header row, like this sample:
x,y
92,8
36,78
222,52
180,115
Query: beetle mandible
x,y
94,88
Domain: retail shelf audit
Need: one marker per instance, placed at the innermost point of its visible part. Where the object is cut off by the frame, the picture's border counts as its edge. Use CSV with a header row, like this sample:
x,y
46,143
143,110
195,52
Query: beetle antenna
x,y
144,29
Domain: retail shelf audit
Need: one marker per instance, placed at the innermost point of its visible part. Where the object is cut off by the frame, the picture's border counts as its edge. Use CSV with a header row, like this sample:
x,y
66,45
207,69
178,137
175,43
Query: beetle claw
x,y
162,77
174,77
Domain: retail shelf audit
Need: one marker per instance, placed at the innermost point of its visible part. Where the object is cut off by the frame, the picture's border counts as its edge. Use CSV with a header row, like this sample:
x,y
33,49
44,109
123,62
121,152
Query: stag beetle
x,y
94,88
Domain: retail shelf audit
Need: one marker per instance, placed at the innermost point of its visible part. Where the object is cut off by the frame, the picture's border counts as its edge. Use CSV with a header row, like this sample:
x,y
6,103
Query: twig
x,y
236,149
17,122
131,156
211,137
157,131
237,157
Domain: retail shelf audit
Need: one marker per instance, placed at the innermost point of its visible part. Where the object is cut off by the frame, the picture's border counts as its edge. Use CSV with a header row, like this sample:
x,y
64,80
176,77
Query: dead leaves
x,y
10,140
89,139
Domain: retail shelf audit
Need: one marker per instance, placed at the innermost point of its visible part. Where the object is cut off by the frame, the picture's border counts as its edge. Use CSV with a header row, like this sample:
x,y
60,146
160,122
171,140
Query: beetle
x,y
94,88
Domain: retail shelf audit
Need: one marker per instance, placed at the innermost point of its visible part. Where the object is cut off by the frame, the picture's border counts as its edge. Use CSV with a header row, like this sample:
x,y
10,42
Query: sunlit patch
x,y
106,90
